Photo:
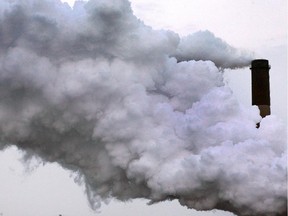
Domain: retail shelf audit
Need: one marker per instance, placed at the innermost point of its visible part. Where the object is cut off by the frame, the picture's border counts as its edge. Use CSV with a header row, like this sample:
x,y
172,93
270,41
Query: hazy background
x,y
258,26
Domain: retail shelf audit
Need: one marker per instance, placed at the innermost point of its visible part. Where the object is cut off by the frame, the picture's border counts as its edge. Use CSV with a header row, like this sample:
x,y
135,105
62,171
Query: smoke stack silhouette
x,y
261,91
260,86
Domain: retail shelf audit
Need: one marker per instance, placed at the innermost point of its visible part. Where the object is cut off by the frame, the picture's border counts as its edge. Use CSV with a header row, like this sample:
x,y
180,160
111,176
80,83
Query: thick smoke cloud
x,y
204,45
97,91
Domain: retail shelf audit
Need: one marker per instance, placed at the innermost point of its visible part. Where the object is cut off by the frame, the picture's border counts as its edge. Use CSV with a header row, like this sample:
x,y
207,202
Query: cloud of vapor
x,y
97,91
203,45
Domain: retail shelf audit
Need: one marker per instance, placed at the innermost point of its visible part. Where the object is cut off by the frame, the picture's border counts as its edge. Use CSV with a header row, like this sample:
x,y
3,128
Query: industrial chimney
x,y
260,86
261,91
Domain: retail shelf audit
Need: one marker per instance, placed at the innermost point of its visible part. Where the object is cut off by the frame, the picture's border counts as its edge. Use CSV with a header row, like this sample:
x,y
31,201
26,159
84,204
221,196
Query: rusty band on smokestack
x,y
260,86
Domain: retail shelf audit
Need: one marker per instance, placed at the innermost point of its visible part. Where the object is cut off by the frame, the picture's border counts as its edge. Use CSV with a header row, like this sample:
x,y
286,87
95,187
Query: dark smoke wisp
x,y
95,90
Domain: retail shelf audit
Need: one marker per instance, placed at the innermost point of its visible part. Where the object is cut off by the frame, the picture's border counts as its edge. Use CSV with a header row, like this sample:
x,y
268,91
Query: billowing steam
x,y
97,91
205,46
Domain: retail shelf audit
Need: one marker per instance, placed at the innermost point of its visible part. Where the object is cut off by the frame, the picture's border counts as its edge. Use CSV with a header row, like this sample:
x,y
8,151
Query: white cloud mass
x,y
97,91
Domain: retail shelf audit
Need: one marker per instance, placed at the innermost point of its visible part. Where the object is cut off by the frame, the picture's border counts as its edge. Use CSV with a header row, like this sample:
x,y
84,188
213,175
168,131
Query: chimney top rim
x,y
260,63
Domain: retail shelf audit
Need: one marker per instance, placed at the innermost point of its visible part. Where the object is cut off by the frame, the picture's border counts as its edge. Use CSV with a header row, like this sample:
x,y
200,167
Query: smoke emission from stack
x,y
203,45
100,93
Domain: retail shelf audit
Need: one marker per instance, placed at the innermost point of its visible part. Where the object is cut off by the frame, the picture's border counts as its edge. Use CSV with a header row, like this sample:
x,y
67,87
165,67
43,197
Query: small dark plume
x,y
95,90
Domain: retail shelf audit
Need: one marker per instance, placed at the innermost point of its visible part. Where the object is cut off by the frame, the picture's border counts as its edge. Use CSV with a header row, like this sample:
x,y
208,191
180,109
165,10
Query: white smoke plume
x,y
203,45
97,91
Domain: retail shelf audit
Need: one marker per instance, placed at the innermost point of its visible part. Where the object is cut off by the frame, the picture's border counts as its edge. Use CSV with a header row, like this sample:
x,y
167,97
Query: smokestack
x,y
260,85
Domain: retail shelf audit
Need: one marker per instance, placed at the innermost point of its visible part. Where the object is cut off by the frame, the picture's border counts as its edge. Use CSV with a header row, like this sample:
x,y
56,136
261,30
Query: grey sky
x,y
258,26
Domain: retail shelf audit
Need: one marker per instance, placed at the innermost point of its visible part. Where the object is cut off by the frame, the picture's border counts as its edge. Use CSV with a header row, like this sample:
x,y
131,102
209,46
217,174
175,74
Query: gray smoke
x,y
98,92
204,45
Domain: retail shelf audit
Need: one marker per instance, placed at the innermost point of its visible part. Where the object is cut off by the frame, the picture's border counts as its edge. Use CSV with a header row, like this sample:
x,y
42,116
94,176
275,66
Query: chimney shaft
x,y
260,86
